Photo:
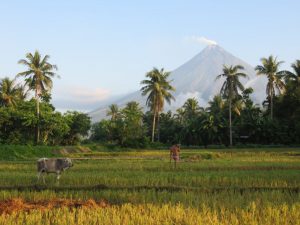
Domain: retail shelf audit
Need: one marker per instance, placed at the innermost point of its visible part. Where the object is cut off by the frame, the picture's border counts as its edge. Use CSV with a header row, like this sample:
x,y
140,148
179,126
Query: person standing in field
x,y
175,153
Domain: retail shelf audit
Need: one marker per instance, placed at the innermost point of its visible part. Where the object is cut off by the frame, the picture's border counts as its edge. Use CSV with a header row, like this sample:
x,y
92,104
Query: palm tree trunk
x,y
230,125
38,117
153,125
272,106
158,128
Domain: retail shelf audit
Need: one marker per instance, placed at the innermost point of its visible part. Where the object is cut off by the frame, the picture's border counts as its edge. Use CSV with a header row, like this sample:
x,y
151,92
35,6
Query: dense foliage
x,y
17,124
276,121
230,118
25,120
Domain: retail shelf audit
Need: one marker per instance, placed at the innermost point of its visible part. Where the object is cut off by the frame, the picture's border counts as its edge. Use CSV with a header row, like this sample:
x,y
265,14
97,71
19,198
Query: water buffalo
x,y
57,166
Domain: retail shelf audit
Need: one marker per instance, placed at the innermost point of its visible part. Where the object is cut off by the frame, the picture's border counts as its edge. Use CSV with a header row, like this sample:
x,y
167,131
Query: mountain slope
x,y
197,78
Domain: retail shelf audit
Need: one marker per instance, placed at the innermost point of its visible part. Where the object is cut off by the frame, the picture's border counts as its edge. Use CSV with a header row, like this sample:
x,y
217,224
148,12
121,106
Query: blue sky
x,y
104,48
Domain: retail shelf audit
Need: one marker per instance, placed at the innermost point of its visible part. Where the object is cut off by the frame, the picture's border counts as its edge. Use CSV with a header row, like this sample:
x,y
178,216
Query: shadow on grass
x,y
99,187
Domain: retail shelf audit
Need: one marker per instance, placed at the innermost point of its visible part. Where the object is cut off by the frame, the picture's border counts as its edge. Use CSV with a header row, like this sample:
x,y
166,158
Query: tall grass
x,y
21,152
246,186
229,199
119,173
152,214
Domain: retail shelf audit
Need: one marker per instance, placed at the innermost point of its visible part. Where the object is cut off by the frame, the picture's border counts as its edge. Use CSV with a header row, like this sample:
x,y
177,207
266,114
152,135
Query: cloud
x,y
182,97
79,98
203,40
87,95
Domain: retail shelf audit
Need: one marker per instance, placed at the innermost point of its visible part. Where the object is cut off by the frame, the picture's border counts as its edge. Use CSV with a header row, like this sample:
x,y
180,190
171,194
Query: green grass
x,y
25,152
220,180
201,172
115,173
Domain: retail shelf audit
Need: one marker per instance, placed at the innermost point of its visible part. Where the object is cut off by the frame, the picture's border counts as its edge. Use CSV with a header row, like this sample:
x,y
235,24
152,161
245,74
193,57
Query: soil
x,y
19,204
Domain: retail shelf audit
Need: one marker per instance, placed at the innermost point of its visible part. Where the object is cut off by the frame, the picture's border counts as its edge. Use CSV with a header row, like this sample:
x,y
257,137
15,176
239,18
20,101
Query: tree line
x,y
28,117
26,114
231,117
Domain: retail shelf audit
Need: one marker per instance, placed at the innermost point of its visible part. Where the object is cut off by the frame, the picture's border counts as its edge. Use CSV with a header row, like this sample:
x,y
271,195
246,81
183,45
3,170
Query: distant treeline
x,y
230,118
25,120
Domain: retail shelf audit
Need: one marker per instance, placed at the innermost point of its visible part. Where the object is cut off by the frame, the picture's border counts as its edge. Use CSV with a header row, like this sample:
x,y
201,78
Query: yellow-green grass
x,y
152,214
249,186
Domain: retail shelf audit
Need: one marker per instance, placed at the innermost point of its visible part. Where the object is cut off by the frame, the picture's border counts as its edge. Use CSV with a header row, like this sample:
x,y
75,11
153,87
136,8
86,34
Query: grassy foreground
x,y
153,214
237,186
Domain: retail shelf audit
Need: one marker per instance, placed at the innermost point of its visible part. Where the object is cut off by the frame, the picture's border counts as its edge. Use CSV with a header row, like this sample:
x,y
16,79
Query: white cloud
x,y
79,98
88,95
182,97
203,40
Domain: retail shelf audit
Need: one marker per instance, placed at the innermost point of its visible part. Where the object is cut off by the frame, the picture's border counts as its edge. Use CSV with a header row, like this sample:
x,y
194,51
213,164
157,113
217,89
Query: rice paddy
x,y
238,186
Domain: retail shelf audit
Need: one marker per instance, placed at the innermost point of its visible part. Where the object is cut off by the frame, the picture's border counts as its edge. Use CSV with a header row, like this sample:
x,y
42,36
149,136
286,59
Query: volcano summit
x,y
197,78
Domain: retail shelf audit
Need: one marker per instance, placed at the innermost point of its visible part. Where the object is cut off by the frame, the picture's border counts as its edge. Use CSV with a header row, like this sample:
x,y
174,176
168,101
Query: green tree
x,y
294,77
210,129
249,117
190,121
17,124
191,108
158,89
53,126
287,110
38,77
101,131
79,123
179,116
170,128
230,88
113,111
270,68
133,125
216,105
9,92
23,92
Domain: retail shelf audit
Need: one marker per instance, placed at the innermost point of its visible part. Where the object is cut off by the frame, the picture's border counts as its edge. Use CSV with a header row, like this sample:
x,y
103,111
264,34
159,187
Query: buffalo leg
x,y
41,173
39,176
57,177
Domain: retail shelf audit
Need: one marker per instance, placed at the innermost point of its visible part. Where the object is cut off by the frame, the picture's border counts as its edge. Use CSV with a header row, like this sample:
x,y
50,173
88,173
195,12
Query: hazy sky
x,y
104,48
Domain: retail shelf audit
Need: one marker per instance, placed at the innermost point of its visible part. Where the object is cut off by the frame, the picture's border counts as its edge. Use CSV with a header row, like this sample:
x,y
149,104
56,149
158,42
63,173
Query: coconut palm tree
x,y
9,92
38,77
210,128
192,108
216,105
179,115
270,68
230,88
113,111
158,89
23,92
294,77
133,112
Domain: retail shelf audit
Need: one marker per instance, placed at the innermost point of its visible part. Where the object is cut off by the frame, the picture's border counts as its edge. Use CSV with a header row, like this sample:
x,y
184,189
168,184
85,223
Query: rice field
x,y
216,186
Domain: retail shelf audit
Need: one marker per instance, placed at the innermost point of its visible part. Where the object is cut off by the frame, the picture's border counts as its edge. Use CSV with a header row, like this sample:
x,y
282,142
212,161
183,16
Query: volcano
x,y
197,79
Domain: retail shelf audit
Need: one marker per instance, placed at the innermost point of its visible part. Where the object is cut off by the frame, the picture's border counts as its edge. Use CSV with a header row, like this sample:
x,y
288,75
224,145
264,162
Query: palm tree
x,y
230,88
270,68
179,115
38,77
158,89
192,108
237,105
9,92
113,111
210,128
23,92
133,112
216,105
294,77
